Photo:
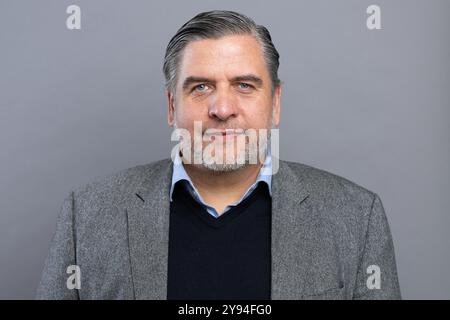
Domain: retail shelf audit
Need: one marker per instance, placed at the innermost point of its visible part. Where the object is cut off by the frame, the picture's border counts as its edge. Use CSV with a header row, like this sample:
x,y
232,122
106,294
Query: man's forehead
x,y
229,56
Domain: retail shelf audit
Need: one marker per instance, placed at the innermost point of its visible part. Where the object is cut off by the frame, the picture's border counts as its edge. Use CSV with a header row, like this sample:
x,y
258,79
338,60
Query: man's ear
x,y
170,108
277,105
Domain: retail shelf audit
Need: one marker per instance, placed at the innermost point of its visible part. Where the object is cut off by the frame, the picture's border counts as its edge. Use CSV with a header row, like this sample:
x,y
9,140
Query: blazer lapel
x,y
290,218
305,258
148,229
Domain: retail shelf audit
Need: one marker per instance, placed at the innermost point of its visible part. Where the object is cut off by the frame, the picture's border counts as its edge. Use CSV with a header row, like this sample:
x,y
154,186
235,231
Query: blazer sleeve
x,y
53,284
377,272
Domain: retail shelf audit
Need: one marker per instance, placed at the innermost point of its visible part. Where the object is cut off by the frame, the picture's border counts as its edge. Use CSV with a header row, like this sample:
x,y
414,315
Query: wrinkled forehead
x,y
226,57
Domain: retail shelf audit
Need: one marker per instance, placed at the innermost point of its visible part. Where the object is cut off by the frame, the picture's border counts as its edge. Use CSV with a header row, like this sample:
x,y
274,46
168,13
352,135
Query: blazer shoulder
x,y
329,185
337,201
116,187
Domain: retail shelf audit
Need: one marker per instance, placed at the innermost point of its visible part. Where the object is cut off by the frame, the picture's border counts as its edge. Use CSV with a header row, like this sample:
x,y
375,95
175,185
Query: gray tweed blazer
x,y
327,234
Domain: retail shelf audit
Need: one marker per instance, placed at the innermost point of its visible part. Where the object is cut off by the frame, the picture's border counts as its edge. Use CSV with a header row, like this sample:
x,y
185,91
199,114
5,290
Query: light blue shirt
x,y
179,173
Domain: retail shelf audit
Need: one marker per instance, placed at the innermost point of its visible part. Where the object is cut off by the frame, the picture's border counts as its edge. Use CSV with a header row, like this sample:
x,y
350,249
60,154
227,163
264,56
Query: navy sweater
x,y
220,258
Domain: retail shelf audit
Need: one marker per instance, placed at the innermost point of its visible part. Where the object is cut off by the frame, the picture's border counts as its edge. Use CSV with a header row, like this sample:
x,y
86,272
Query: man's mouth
x,y
225,134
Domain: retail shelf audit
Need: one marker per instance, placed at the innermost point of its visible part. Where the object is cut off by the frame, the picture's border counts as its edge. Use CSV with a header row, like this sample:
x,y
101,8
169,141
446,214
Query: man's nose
x,y
223,106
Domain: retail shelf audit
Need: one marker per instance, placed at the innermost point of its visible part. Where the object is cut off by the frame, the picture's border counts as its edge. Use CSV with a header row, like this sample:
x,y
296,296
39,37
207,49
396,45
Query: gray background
x,y
372,106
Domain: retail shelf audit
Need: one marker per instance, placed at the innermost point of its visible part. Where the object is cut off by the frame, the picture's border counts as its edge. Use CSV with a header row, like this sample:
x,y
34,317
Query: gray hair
x,y
214,25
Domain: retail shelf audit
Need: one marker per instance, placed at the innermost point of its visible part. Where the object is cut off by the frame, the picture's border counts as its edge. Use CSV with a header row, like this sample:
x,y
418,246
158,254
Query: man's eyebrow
x,y
244,78
249,78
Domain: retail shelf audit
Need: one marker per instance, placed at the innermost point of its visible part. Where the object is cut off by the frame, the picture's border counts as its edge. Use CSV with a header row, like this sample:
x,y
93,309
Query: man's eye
x,y
201,87
244,86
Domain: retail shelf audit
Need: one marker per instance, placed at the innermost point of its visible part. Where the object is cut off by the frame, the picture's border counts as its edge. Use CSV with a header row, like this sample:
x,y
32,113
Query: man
x,y
198,227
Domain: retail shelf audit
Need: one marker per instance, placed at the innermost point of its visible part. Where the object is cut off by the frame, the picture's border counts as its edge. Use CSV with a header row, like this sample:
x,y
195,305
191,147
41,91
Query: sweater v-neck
x,y
226,217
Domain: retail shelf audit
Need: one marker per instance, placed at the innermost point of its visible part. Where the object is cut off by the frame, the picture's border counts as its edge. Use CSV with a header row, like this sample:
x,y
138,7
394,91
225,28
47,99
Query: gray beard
x,y
224,167
229,167
233,166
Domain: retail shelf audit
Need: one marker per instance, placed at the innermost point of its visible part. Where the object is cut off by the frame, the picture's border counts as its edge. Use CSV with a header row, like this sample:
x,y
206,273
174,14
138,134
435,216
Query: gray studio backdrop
x,y
369,105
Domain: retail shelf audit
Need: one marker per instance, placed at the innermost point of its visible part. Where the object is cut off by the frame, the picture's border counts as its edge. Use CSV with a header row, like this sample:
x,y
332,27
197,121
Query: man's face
x,y
225,84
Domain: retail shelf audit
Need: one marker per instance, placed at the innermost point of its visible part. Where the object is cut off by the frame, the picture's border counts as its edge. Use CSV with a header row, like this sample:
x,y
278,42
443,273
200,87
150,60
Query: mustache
x,y
223,130
219,129
216,131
